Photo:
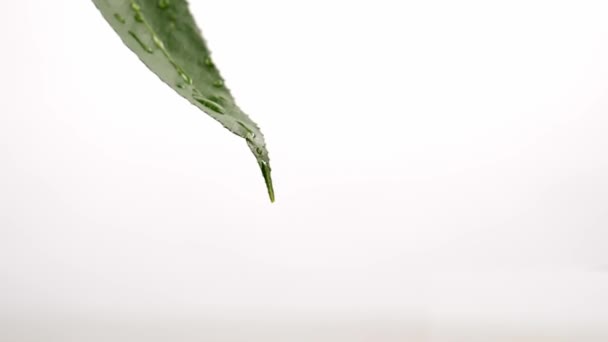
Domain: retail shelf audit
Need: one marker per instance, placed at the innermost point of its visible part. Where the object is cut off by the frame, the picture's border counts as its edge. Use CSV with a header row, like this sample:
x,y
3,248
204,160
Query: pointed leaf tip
x,y
265,167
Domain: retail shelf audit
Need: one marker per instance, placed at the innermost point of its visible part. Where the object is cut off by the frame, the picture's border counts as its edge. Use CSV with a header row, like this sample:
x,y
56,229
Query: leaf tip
x,y
265,167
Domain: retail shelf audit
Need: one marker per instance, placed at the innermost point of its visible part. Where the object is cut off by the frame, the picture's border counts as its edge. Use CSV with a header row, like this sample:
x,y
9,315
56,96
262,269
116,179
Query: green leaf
x,y
165,37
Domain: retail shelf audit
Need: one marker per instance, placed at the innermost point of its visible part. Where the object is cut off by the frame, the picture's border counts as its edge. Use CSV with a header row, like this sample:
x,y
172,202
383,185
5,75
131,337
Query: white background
x,y
435,162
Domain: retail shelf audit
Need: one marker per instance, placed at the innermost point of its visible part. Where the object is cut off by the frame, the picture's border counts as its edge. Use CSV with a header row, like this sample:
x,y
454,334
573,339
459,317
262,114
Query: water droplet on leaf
x,y
185,77
217,99
250,134
138,17
208,62
208,103
158,42
140,42
119,18
163,4
182,74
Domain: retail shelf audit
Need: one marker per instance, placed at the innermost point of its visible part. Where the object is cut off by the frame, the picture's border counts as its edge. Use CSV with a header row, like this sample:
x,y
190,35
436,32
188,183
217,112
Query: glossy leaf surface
x,y
165,37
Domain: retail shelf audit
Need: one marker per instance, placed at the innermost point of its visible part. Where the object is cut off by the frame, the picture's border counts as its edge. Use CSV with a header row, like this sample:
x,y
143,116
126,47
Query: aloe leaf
x,y
165,37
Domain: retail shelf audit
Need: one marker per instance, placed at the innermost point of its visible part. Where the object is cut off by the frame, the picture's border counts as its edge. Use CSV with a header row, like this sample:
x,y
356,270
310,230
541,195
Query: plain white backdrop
x,y
443,161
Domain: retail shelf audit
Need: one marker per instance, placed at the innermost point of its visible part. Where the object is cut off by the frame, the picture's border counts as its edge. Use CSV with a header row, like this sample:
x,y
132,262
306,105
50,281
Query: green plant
x,y
165,37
